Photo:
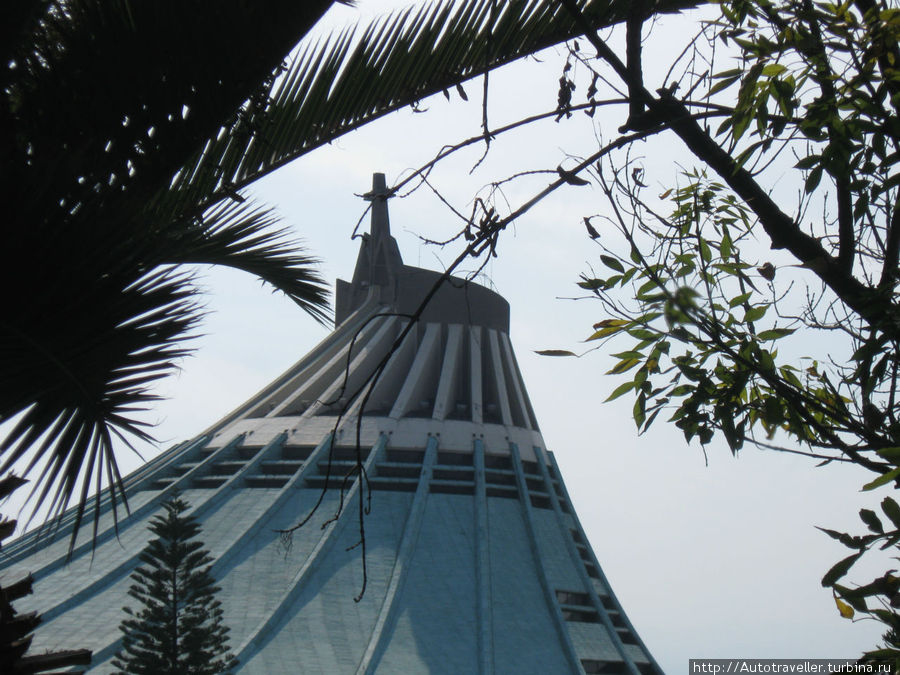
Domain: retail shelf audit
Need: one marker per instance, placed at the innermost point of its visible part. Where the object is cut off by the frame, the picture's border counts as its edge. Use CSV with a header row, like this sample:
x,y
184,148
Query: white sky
x,y
709,561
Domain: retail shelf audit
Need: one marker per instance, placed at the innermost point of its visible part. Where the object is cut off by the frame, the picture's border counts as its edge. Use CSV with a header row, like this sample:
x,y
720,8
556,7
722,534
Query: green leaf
x,y
645,288
755,313
891,510
635,256
772,69
882,480
739,299
840,569
650,420
608,327
890,454
638,411
791,378
623,366
723,84
612,263
774,333
870,518
629,355
834,534
623,388
555,352
812,180
728,73
648,317
808,162
644,334
725,246
740,123
890,183
705,253
640,377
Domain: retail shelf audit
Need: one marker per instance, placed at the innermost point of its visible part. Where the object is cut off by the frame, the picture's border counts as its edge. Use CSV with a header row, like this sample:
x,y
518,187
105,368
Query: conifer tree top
x,y
178,627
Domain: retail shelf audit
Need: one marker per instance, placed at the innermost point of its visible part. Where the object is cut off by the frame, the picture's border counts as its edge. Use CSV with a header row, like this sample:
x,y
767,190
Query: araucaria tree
x,y
178,628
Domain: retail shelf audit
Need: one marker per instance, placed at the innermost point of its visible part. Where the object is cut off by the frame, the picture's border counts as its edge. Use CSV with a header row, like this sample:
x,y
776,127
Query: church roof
x,y
475,561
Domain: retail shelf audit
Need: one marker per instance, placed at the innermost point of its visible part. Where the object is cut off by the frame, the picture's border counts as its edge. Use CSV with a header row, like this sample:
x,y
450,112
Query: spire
x,y
379,261
380,249
380,225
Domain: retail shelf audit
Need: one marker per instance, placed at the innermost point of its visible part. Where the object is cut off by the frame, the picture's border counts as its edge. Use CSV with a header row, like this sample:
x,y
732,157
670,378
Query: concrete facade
x,y
475,559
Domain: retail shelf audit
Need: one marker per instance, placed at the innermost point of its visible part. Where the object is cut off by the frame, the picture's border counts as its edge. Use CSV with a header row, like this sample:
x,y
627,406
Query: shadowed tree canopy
x,y
16,628
127,130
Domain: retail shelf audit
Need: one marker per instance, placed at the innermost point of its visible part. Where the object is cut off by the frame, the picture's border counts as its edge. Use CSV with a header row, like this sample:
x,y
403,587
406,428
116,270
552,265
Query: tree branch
x,y
825,79
634,24
783,231
891,251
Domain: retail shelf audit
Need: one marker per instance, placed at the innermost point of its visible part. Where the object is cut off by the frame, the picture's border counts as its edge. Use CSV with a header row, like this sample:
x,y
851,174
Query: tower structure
x,y
475,559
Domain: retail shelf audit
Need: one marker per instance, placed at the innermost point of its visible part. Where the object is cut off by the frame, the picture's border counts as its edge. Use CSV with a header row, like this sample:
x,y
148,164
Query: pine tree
x,y
178,629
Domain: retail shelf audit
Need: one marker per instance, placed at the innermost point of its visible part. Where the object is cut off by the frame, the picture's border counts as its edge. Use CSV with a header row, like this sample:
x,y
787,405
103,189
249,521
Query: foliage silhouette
x,y
178,627
704,317
16,628
127,131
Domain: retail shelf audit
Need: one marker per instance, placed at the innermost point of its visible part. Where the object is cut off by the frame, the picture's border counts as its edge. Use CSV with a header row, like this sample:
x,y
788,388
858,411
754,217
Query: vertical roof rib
x,y
474,558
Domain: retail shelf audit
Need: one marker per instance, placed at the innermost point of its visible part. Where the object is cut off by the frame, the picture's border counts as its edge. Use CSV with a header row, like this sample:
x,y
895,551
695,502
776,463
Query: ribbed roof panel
x,y
475,560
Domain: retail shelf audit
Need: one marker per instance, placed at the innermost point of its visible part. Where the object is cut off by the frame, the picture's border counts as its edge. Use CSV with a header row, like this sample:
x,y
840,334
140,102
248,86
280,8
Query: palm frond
x,y
102,101
81,390
242,236
340,83
142,85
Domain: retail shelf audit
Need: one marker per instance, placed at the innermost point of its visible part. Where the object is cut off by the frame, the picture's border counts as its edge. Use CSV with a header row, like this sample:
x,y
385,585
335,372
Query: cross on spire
x,y
381,225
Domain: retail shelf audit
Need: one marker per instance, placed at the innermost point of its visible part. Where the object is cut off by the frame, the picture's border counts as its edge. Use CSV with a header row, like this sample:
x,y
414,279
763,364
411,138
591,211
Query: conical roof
x,y
475,561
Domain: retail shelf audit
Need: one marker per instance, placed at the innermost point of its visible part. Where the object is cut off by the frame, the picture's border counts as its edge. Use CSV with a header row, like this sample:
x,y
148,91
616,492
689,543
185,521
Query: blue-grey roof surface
x,y
474,559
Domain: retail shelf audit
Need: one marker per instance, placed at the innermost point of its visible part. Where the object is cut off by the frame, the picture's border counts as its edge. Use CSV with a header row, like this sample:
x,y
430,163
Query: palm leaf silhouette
x,y
127,130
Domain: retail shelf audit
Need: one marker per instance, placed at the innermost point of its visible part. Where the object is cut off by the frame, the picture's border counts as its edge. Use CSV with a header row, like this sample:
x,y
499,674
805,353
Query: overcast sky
x,y
717,560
